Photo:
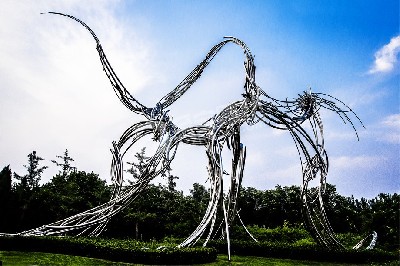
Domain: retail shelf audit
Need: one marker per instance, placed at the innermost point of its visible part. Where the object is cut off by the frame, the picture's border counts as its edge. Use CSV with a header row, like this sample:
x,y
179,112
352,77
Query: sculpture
x,y
222,129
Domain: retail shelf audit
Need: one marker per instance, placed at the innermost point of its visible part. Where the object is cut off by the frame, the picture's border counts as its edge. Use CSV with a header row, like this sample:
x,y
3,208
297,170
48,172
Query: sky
x,y
55,96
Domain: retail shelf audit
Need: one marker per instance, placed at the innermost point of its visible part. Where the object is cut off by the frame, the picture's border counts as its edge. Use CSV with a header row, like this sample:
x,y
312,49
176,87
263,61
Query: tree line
x,y
162,211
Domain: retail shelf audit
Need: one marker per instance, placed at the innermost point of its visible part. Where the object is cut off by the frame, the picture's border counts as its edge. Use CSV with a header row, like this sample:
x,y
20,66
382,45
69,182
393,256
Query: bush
x,y
349,240
303,250
279,234
111,249
305,242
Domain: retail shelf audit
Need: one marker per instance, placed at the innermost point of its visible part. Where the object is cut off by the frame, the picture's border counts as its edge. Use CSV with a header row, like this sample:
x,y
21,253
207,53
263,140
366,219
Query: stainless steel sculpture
x,y
220,131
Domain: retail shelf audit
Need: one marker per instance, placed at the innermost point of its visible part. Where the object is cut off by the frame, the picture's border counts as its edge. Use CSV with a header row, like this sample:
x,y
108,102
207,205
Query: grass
x,y
39,258
255,261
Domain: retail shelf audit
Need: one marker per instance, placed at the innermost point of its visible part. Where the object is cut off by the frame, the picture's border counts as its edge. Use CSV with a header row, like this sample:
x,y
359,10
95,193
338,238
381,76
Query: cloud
x,y
386,57
355,162
54,93
392,121
391,128
386,130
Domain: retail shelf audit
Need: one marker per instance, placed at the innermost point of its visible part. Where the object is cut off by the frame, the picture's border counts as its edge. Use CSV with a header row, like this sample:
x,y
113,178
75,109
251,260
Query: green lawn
x,y
255,261
38,258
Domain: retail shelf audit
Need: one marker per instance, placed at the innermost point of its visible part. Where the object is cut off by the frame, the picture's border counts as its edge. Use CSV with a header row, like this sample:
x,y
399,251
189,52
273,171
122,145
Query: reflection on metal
x,y
220,131
371,244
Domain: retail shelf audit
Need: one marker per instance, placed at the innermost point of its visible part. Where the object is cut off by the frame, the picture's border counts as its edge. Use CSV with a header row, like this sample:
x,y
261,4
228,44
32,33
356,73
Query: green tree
x,y
363,215
65,165
66,195
385,219
31,179
171,183
135,214
137,168
7,201
27,187
5,182
200,194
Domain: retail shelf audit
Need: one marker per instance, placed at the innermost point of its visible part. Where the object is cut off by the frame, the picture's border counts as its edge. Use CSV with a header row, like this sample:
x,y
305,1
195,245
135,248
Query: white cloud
x,y
391,129
392,121
355,162
386,130
386,57
54,94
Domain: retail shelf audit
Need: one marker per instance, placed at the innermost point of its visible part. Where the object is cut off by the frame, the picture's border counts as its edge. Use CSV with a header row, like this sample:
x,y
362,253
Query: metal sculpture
x,y
220,131
371,245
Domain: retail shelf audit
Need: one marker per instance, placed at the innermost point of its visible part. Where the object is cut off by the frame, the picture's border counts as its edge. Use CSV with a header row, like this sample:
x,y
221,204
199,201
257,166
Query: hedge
x,y
279,234
111,249
303,251
167,253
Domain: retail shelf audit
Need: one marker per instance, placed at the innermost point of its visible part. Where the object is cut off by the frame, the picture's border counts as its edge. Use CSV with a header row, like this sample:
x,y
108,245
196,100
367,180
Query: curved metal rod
x,y
217,133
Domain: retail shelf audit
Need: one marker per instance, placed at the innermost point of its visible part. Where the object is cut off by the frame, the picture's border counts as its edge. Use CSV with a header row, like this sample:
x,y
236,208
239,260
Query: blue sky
x,y
54,95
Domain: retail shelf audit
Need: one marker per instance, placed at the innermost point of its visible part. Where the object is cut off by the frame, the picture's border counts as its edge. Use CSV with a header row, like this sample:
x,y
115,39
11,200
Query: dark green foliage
x,y
271,215
25,190
380,214
5,182
63,196
7,199
112,249
273,208
137,168
65,164
349,240
303,252
270,208
283,233
171,183
385,215
66,195
157,214
31,179
78,191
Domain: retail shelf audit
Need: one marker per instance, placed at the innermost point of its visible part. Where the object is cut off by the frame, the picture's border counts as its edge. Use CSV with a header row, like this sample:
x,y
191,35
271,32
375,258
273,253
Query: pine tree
x,y
31,180
65,165
6,199
28,185
138,168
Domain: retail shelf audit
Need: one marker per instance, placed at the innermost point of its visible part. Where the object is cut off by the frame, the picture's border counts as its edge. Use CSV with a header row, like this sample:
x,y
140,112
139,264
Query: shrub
x,y
279,234
305,242
349,240
303,250
112,249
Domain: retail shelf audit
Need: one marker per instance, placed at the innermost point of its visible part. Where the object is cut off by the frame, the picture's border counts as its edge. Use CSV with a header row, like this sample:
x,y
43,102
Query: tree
x,y
31,180
5,182
200,194
138,168
134,215
67,195
6,200
65,165
171,183
250,206
385,219
27,187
